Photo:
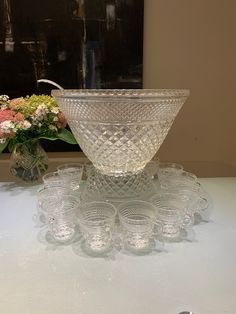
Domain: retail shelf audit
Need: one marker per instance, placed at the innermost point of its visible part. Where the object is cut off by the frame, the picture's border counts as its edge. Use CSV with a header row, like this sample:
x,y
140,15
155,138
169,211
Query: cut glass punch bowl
x,y
120,131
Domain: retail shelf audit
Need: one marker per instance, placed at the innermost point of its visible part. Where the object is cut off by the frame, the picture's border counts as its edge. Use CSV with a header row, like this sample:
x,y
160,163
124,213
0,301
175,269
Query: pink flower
x,y
6,133
16,103
6,114
61,123
19,117
1,134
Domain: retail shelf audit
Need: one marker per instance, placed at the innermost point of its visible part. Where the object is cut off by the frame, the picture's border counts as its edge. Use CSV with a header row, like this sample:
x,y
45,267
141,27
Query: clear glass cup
x,y
71,174
193,195
60,212
97,221
51,179
47,191
44,194
174,213
137,219
180,179
170,167
168,170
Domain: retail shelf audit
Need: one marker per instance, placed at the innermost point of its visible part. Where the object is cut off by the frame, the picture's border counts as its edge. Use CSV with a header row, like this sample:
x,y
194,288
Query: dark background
x,y
78,44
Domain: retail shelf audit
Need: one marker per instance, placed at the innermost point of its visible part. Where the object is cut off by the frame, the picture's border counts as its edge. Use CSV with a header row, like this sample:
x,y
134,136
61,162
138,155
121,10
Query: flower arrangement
x,y
30,118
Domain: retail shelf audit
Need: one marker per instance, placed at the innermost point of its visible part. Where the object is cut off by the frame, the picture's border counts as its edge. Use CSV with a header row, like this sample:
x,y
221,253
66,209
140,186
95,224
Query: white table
x,y
39,278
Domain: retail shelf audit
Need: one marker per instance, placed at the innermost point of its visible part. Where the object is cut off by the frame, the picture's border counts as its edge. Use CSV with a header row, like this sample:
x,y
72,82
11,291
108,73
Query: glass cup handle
x,y
108,230
158,228
187,221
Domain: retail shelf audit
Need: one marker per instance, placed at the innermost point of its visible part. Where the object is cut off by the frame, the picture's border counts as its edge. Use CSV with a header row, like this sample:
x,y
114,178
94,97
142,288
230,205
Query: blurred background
x,y
191,44
76,43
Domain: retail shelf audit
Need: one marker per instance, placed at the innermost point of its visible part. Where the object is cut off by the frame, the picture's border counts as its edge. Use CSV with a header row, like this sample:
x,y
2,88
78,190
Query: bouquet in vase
x,y
25,120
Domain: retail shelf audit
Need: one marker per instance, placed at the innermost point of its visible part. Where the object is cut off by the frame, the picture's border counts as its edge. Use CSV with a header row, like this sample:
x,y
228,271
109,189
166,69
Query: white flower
x,y
2,140
7,126
41,112
44,107
55,119
4,97
3,107
55,110
34,120
26,125
52,127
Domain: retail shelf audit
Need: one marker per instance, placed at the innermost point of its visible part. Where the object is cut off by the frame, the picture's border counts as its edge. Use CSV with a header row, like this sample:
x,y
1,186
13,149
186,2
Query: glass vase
x,y
28,161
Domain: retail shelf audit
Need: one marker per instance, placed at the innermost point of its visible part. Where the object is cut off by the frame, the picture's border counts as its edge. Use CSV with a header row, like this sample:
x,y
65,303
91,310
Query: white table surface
x,y
38,278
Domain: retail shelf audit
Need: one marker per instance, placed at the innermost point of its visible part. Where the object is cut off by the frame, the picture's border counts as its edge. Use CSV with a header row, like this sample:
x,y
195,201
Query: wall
x,y
192,44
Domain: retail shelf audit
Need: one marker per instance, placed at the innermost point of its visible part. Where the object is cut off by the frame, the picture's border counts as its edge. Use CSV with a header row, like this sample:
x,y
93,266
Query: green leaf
x,y
63,135
11,145
3,146
66,136
48,137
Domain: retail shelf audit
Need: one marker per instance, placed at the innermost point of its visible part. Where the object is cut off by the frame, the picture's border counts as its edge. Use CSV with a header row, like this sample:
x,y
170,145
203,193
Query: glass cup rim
x,y
188,174
51,174
170,212
124,205
63,197
168,197
47,188
170,165
75,165
83,220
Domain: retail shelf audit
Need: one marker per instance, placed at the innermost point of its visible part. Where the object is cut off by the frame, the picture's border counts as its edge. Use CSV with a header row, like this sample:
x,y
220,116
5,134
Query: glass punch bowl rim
x,y
108,94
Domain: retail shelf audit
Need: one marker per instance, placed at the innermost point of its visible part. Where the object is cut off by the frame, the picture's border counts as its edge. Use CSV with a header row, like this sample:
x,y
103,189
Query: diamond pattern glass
x,y
120,130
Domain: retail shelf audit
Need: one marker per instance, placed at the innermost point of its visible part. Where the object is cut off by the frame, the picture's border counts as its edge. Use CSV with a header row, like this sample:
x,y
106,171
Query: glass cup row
x,y
140,222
